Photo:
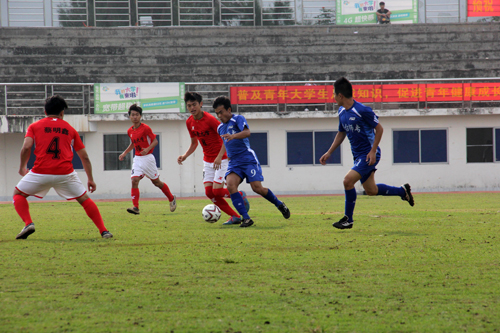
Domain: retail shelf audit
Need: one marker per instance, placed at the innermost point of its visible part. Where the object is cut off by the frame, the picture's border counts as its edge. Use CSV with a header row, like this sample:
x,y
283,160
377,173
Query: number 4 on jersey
x,y
54,148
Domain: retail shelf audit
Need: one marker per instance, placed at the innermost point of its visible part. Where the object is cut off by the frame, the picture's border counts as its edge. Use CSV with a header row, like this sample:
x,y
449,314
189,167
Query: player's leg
x,y
255,178
70,187
93,212
267,194
23,210
350,179
233,180
166,190
31,184
216,180
218,191
135,194
149,169
403,191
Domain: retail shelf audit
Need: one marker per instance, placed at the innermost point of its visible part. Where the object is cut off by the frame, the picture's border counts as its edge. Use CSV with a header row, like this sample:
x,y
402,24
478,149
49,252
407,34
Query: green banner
x,y
151,97
364,12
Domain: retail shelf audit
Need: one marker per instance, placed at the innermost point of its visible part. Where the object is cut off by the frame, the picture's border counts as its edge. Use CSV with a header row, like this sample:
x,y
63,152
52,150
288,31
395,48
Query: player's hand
x,y
92,186
121,157
23,171
144,152
227,136
324,158
181,159
217,163
371,158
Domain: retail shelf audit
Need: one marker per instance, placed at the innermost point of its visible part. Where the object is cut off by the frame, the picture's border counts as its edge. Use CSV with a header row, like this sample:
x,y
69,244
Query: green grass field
x,y
431,268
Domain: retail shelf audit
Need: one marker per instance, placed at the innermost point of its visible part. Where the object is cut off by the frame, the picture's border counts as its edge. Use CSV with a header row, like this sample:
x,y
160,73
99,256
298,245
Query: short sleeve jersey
x,y
358,122
382,11
54,141
205,130
141,137
238,150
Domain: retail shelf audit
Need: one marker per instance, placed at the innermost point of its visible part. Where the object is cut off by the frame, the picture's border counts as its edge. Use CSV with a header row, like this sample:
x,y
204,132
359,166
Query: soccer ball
x,y
211,213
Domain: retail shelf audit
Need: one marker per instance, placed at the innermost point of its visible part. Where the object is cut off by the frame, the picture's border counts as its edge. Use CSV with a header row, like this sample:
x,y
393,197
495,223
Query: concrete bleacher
x,y
231,54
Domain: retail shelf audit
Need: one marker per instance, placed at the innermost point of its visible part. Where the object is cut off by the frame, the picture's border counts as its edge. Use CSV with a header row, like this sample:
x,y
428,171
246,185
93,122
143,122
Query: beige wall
x,y
186,180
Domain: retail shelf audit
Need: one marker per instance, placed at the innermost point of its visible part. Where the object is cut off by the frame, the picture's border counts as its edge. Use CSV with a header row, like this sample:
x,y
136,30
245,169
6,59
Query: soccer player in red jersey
x,y
202,127
144,141
54,141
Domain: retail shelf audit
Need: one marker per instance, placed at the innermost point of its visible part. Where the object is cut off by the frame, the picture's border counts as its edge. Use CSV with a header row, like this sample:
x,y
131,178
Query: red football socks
x,y
94,214
219,195
22,208
167,192
222,192
135,197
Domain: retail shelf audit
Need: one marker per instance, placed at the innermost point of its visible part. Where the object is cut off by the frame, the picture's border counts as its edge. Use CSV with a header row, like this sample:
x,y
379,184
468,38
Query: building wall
x,y
186,180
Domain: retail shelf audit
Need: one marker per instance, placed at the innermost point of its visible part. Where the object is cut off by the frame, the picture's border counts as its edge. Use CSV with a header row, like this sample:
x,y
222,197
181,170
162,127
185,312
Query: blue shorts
x,y
361,166
251,171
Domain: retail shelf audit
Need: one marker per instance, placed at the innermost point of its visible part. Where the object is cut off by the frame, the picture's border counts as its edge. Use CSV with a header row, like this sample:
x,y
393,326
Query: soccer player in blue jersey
x,y
243,162
360,124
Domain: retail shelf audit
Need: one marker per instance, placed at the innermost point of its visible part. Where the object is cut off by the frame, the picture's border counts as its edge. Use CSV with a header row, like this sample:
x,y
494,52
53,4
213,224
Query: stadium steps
x,y
222,54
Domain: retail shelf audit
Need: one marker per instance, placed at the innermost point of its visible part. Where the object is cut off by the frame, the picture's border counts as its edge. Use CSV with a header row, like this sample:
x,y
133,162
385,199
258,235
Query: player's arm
x,y
371,158
241,135
87,166
218,159
388,14
191,149
128,150
153,144
25,155
339,138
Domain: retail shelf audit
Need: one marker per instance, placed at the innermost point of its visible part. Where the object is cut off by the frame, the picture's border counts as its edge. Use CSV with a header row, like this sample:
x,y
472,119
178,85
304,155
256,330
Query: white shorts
x,y
145,166
67,186
210,175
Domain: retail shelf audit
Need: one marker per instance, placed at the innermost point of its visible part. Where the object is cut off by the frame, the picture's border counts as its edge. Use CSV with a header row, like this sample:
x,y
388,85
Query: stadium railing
x,y
26,99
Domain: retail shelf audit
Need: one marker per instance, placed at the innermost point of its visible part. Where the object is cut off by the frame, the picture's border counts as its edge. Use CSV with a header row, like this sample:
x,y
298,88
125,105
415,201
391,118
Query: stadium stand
x,y
229,54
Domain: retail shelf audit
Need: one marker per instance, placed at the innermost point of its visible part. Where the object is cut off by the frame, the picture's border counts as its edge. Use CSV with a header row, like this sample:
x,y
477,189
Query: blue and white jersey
x,y
238,150
358,122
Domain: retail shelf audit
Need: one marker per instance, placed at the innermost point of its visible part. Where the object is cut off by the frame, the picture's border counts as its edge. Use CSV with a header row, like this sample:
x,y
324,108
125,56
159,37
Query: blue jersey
x,y
238,150
358,122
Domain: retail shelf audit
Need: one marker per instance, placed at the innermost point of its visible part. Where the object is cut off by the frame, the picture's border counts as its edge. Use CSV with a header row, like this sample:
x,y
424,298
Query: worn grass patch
x,y
430,268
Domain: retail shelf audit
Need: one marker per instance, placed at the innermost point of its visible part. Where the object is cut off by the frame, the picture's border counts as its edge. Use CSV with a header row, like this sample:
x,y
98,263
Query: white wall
x,y
186,180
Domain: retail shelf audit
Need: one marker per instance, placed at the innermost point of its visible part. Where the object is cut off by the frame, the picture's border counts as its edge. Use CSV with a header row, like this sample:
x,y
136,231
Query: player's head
x,y
194,102
54,105
135,107
382,4
222,107
343,90
192,97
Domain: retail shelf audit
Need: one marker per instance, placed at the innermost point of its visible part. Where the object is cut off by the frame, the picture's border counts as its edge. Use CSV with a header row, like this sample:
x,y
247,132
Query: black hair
x,y
135,107
54,105
192,96
344,87
222,100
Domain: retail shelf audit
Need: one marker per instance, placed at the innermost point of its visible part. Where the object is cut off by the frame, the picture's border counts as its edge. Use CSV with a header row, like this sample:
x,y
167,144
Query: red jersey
x,y
205,130
54,140
141,137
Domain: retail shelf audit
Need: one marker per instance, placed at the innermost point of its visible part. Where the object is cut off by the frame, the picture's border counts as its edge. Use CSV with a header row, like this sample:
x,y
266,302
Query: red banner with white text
x,y
433,92
282,95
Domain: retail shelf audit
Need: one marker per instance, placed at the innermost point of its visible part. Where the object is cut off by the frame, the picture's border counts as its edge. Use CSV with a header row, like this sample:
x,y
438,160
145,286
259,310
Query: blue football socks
x,y
350,202
272,198
390,190
238,203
